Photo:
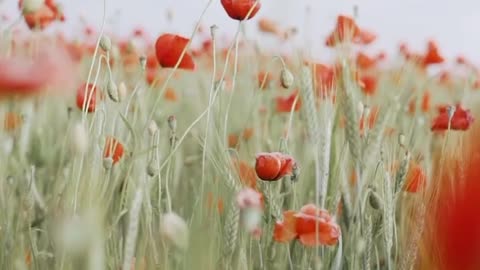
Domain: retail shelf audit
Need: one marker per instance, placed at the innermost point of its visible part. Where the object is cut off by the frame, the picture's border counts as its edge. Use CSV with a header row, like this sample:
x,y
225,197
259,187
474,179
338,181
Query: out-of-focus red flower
x,y
239,9
416,178
285,104
87,94
264,80
364,37
364,61
273,166
268,26
461,119
246,173
44,16
285,230
369,86
426,101
311,226
50,69
452,235
113,149
169,48
345,30
432,56
324,80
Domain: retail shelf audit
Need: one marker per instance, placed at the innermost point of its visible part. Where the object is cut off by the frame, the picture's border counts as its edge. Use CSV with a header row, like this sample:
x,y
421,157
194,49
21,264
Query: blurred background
x,y
453,24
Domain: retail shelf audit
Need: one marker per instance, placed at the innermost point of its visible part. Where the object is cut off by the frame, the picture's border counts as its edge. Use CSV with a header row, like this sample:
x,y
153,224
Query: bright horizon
x,y
451,24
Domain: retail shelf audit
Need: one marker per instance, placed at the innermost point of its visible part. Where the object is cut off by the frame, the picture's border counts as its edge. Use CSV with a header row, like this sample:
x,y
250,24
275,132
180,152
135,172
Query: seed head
x,y
286,78
172,123
31,6
105,43
112,91
213,30
152,128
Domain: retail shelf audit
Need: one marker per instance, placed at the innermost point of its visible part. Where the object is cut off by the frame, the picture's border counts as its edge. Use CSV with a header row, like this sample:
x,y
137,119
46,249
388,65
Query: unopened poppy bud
x,y
286,78
122,91
31,6
174,229
112,91
152,168
401,140
143,62
105,43
172,123
107,163
374,200
79,138
152,128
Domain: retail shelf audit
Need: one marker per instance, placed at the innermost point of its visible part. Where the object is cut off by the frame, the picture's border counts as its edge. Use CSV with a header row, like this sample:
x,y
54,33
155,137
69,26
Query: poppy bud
x,y
31,6
172,123
105,43
213,30
401,140
174,229
286,78
273,166
152,168
152,128
112,91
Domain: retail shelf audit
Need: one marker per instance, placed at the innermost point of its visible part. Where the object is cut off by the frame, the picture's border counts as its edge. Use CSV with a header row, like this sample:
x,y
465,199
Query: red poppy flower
x,y
432,56
309,219
461,119
273,166
169,48
285,230
239,9
113,149
416,178
44,16
324,79
426,101
369,84
303,226
364,37
345,30
90,96
285,104
49,69
246,173
364,61
268,26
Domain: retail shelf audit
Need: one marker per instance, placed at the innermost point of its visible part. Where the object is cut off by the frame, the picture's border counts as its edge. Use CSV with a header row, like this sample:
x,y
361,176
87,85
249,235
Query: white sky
x,y
454,24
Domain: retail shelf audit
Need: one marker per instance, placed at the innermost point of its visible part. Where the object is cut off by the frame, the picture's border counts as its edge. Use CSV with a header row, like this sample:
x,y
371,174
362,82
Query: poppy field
x,y
150,152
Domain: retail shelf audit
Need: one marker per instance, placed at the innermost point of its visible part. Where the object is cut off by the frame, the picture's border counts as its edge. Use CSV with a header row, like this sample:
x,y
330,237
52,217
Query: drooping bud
x,y
105,43
112,91
143,62
286,78
107,163
152,168
401,140
172,123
